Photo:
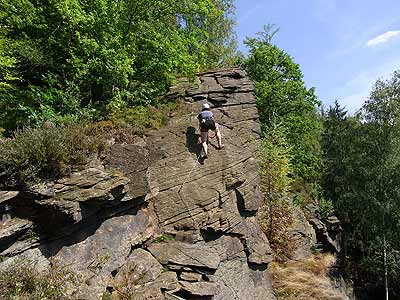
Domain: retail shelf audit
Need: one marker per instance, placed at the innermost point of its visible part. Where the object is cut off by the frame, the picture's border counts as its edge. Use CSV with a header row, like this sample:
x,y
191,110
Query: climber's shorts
x,y
208,124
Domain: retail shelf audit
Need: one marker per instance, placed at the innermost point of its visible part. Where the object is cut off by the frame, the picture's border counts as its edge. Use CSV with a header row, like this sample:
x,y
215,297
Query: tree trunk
x,y
385,266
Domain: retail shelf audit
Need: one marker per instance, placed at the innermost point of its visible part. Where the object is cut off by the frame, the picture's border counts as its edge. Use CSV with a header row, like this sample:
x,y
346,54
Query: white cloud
x,y
352,41
383,38
249,13
357,89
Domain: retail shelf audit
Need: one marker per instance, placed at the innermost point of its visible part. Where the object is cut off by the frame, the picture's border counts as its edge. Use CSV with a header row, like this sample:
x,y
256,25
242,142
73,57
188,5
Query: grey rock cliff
x,y
181,228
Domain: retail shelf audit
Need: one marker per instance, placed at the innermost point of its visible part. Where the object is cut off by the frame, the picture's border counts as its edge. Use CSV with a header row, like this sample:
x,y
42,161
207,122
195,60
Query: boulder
x,y
182,254
139,268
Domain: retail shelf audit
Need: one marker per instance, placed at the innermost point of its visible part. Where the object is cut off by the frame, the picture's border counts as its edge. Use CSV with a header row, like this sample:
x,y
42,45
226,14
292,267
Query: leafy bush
x,y
298,200
275,166
46,152
276,222
317,248
326,208
22,281
51,151
317,191
276,214
140,118
164,238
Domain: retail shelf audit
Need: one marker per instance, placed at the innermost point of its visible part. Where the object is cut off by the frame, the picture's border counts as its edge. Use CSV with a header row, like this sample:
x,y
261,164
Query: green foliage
x,y
284,100
93,57
298,200
362,157
316,248
141,118
106,296
336,142
326,208
51,151
276,218
317,191
275,170
22,281
164,238
275,167
46,152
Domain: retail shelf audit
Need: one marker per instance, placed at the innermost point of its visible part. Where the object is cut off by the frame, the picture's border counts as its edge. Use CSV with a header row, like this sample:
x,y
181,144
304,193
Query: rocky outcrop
x,y
152,217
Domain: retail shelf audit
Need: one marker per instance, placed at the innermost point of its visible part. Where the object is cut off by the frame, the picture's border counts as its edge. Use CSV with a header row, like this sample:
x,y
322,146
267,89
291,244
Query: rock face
x,y
153,219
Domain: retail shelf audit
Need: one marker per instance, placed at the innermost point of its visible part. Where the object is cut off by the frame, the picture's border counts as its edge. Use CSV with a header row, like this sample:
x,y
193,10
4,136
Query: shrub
x,y
276,222
51,151
22,281
316,191
46,153
164,238
326,208
140,118
275,170
298,200
304,280
275,167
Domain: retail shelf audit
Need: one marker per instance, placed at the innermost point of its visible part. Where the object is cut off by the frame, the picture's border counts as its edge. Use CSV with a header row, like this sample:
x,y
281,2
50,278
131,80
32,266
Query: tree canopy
x,y
362,155
284,101
91,57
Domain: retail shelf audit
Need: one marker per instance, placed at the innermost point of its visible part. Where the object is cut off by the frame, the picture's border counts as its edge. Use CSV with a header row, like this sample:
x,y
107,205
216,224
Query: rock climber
x,y
207,122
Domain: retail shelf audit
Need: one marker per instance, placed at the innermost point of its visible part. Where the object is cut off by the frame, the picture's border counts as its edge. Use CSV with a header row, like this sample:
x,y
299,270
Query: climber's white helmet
x,y
206,106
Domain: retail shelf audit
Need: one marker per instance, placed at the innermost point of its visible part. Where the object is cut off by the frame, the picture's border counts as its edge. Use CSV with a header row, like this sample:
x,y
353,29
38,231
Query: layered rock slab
x,y
111,214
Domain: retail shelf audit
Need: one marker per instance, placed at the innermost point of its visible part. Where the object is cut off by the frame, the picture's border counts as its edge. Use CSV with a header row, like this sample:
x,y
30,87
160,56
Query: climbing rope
x,y
182,196
187,177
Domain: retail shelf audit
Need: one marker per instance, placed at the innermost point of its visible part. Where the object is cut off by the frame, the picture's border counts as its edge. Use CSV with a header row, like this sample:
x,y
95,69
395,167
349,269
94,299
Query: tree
x,y
284,100
275,174
364,178
95,57
334,143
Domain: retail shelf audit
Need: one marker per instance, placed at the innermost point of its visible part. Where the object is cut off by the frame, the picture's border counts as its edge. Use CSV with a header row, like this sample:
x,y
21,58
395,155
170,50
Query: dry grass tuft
x,y
304,280
22,281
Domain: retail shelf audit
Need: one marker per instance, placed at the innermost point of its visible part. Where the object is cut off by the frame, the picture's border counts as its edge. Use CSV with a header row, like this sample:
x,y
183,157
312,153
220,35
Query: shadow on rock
x,y
192,141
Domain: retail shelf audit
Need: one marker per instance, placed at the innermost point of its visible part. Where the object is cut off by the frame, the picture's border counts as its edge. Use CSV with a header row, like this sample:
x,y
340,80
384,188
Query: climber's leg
x,y
219,137
204,140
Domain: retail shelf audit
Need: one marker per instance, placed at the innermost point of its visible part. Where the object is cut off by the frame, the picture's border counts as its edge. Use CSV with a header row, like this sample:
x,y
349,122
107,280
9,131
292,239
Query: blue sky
x,y
342,46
